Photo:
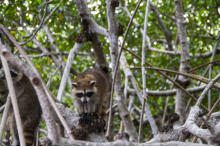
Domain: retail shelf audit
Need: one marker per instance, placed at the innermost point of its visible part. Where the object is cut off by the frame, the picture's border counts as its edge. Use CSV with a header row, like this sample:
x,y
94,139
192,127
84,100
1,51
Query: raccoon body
x,y
29,108
91,92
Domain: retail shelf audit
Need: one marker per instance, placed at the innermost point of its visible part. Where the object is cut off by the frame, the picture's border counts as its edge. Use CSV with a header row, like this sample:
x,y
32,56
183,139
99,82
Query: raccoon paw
x,y
85,118
80,134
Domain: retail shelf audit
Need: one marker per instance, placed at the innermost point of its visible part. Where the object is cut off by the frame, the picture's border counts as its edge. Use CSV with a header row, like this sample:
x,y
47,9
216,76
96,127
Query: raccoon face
x,y
84,90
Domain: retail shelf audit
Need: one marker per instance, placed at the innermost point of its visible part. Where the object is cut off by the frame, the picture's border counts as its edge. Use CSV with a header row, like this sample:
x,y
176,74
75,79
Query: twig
x,y
43,21
200,66
52,40
51,13
67,70
5,116
38,28
59,53
116,68
13,99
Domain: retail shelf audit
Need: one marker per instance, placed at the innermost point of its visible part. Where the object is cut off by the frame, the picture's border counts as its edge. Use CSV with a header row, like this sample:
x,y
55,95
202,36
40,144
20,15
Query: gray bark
x,y
184,61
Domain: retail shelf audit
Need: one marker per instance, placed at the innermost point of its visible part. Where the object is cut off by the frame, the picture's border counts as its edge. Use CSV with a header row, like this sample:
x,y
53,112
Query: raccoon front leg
x,y
91,107
79,107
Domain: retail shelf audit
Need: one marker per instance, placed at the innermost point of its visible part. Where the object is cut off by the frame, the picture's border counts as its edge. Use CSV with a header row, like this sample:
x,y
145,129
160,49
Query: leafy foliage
x,y
201,18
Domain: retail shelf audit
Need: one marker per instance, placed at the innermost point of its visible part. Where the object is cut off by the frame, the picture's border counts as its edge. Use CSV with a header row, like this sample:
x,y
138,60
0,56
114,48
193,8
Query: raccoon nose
x,y
83,100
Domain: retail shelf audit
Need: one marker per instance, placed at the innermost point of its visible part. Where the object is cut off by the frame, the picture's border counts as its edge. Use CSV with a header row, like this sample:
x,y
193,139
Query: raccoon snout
x,y
84,100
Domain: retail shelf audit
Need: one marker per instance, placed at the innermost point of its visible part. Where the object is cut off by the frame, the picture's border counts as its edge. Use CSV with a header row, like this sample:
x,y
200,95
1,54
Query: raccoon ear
x,y
74,84
92,83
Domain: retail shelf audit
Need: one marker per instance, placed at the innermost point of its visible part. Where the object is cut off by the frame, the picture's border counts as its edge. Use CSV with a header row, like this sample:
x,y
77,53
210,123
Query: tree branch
x,y
67,70
206,89
166,32
86,15
145,96
184,61
167,92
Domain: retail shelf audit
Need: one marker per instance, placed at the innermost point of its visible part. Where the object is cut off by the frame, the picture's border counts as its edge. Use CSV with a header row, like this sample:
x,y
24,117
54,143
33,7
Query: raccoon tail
x,y
29,136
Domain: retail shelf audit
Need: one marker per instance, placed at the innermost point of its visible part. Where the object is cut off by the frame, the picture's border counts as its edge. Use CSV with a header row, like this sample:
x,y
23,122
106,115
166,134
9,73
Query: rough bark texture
x,y
184,61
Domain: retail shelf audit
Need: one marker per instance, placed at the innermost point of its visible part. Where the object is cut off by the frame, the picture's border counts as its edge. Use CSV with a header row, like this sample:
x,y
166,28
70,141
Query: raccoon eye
x,y
79,95
89,94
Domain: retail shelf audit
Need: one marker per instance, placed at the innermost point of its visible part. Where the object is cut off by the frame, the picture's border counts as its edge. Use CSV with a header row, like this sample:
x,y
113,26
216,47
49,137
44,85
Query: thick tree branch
x,y
193,128
184,61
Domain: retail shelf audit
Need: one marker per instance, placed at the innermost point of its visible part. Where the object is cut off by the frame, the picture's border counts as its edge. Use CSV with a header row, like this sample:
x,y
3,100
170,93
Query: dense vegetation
x,y
56,26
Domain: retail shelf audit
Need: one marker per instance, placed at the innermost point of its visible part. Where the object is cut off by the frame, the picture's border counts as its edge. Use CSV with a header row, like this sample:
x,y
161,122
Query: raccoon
x,y
28,104
91,92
